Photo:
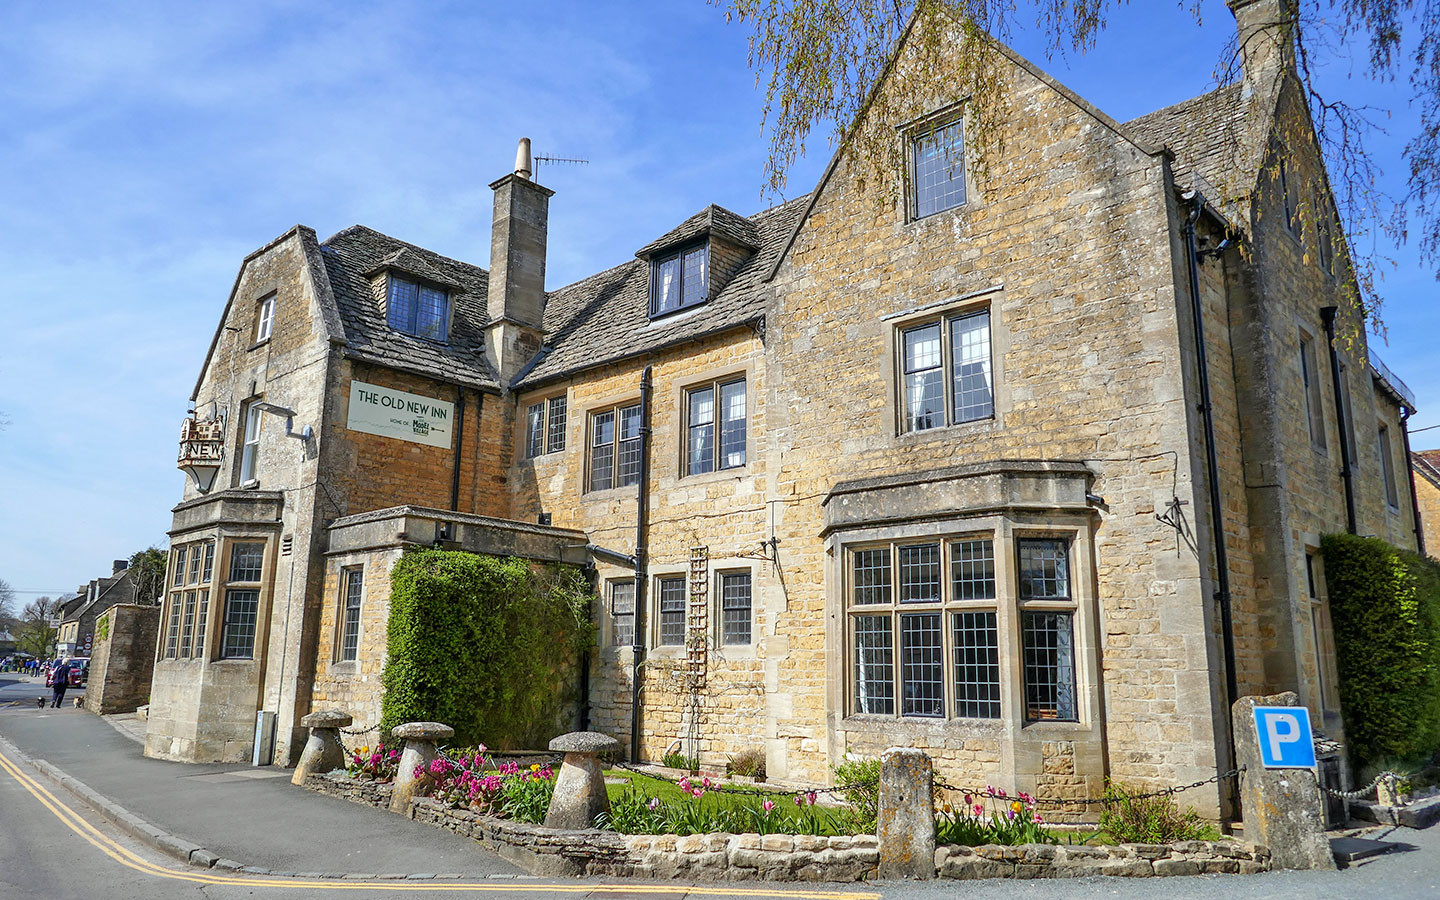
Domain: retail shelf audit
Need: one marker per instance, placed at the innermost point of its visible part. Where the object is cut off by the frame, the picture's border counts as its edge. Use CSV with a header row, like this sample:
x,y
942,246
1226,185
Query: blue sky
x,y
147,147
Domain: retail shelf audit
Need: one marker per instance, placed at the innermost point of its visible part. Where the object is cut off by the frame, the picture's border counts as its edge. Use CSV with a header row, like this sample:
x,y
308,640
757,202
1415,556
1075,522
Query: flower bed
x,y
784,857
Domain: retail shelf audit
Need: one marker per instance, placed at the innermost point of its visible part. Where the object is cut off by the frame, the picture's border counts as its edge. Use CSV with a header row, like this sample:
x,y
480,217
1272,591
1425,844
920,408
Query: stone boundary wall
x,y
783,857
122,662
1128,860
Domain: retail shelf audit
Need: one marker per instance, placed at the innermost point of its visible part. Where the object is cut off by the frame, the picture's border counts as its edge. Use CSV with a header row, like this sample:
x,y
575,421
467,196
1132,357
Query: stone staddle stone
x,y
580,789
906,816
323,751
1282,808
419,738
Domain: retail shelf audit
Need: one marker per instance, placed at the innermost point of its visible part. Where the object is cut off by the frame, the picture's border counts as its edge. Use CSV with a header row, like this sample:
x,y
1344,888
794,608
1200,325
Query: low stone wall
x,y
783,857
592,851
1128,860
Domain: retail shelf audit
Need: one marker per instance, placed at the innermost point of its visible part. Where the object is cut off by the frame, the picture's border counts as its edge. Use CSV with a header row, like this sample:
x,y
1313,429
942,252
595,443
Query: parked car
x,y
79,672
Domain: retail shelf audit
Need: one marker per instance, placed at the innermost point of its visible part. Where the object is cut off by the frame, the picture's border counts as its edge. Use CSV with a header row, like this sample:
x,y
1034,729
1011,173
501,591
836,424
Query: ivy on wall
x,y
1385,608
491,646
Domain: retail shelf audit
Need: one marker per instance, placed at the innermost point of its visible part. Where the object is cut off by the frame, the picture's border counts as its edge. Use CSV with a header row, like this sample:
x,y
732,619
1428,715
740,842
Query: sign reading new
x,y
396,414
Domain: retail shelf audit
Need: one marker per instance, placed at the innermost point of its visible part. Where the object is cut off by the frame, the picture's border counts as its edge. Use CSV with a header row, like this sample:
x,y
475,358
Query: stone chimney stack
x,y
516,300
119,566
1266,38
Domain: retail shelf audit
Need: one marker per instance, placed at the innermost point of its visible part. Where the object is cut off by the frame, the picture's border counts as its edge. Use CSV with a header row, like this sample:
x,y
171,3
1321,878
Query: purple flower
x,y
798,800
811,797
654,803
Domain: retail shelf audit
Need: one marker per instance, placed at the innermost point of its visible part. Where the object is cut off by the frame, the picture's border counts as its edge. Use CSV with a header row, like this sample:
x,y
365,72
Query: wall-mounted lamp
x,y
276,410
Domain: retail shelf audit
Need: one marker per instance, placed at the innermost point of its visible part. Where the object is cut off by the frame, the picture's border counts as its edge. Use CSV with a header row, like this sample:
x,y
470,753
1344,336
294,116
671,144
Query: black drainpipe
x,y
1405,413
1327,316
642,516
459,445
1212,470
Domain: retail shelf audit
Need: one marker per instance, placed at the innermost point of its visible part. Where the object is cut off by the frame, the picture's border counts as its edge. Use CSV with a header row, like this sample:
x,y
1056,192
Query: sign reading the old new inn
x,y
396,414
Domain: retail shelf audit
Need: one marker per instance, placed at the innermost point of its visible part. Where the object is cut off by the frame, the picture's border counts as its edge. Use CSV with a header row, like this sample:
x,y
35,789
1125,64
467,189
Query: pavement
x,y
250,815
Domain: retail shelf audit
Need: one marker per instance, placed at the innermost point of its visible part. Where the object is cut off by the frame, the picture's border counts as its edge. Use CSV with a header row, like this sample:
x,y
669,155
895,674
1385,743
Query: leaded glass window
x,y
1044,569
354,590
976,654
874,665
245,561
939,169
679,280
946,372
622,613
735,608
535,430
1049,662
922,673
924,379
418,309
238,631
703,453
672,612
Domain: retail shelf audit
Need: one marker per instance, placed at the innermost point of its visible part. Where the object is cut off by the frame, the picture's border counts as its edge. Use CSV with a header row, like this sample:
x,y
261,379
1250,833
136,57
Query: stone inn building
x,y
1027,468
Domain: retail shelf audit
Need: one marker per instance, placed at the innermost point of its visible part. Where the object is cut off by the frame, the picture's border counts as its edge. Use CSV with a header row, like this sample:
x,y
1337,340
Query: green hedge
x,y
1385,607
487,645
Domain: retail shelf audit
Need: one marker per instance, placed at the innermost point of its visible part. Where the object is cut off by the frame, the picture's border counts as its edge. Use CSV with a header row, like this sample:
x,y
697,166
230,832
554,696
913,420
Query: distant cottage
x,y
937,474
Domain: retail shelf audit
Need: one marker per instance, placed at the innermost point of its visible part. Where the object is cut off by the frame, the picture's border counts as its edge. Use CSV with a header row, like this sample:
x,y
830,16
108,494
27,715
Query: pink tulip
x,y
979,810
768,805
798,800
811,797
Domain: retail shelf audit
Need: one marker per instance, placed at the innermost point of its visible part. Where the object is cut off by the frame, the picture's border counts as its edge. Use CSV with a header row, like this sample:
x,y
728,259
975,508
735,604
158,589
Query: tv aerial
x,y
558,161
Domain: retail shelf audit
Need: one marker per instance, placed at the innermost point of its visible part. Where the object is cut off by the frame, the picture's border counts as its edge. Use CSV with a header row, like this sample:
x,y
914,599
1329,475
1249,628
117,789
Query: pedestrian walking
x,y
60,680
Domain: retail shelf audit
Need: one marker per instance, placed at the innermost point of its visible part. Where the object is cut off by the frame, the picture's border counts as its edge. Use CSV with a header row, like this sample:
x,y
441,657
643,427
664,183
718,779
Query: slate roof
x,y
712,219
1427,463
352,256
1207,136
606,317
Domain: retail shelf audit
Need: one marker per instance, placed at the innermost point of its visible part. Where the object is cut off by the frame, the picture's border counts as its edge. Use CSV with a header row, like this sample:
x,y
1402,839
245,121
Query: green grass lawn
x,y
726,806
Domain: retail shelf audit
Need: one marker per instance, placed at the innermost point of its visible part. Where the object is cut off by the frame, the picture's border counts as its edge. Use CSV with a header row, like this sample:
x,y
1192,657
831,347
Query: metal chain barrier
x,y
940,784
1104,798
1389,778
749,792
360,730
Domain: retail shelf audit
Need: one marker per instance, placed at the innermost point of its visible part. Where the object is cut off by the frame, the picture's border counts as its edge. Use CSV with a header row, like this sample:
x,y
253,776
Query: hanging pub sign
x,y
202,447
397,414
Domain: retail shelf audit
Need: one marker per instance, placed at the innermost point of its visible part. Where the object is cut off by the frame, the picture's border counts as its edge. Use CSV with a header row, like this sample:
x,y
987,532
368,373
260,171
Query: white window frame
x,y
265,319
250,445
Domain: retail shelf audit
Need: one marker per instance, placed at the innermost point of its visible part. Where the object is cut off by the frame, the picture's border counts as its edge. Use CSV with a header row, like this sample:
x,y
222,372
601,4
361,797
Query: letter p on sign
x,y
1285,738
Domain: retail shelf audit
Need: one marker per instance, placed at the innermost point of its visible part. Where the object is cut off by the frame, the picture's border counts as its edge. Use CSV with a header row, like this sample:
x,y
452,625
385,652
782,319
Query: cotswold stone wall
x,y
1065,240
744,696
1428,496
123,659
354,685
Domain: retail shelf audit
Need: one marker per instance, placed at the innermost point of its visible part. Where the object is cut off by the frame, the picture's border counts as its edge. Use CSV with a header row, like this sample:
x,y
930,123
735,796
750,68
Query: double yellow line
x,y
125,857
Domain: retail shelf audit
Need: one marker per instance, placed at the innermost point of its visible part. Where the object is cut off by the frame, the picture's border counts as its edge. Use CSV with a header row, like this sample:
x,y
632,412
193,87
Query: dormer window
x,y
679,280
418,309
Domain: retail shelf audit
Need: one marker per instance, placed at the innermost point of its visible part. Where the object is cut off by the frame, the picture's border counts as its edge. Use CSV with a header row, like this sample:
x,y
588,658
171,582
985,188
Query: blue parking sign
x,y
1285,738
